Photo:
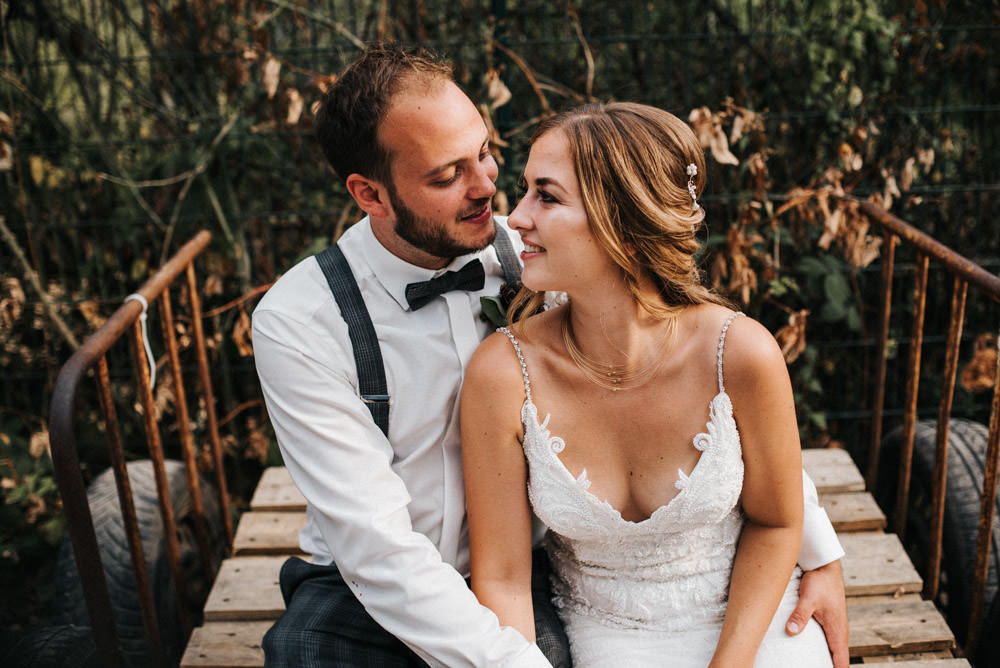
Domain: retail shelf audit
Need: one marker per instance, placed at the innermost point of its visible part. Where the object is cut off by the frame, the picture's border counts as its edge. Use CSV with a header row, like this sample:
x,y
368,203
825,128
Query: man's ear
x,y
371,196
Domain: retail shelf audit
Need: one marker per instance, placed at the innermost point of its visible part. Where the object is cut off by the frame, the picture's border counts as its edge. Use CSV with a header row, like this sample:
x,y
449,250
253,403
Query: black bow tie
x,y
469,277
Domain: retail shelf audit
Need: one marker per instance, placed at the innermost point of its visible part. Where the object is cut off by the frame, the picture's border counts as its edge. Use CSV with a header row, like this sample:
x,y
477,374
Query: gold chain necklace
x,y
614,377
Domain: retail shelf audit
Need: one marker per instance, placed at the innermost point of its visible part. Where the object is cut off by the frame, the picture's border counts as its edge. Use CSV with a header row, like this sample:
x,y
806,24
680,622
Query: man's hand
x,y
821,595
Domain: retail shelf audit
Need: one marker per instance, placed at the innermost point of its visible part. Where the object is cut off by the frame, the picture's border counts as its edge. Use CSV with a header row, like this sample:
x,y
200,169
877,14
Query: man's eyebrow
x,y
440,168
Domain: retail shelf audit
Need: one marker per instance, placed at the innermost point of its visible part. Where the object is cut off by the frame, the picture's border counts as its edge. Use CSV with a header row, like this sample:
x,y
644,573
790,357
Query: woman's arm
x,y
496,491
756,380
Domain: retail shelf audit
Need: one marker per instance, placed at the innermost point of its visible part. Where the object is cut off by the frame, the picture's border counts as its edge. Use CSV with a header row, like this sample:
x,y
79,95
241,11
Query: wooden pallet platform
x,y
888,620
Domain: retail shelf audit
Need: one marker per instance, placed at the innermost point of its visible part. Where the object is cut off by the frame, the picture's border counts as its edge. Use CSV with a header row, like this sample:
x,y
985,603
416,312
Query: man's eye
x,y
448,181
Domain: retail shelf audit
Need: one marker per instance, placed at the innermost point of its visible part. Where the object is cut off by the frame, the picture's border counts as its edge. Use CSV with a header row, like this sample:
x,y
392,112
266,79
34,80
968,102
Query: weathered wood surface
x,y
888,620
892,628
276,491
853,511
246,588
268,532
229,644
876,563
832,470
941,659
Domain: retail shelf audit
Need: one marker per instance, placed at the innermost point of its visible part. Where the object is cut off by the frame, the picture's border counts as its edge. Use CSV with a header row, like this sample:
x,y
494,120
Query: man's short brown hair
x,y
352,110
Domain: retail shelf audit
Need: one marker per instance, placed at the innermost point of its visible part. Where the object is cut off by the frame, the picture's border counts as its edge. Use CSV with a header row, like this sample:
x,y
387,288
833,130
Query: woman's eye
x,y
546,197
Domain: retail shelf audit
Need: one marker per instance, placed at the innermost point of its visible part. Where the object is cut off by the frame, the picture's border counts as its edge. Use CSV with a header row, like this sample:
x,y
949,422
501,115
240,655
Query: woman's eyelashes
x,y
543,195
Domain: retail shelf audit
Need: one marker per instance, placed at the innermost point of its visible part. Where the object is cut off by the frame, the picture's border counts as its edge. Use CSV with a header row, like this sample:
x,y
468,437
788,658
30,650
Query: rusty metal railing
x,y
964,274
92,355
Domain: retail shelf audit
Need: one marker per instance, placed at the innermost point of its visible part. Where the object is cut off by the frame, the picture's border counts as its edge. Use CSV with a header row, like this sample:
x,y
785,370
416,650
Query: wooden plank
x,y
268,532
276,491
833,470
882,598
895,628
853,511
226,645
246,588
876,563
942,659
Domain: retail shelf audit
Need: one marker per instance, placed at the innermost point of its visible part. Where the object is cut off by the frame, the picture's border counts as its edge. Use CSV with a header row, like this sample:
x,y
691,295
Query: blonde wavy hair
x,y
632,164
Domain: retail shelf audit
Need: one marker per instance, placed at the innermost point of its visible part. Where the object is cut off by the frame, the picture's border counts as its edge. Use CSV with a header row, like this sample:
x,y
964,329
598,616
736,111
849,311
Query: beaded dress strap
x,y
520,358
722,343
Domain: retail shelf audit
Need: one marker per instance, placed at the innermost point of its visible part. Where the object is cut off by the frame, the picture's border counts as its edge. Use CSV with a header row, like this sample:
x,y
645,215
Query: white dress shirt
x,y
391,512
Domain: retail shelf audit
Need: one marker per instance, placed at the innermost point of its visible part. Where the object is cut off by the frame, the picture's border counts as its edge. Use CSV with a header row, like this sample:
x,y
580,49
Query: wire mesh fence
x,y
129,125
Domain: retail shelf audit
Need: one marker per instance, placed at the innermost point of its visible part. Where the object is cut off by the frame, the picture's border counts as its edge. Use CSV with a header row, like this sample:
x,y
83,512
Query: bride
x,y
646,424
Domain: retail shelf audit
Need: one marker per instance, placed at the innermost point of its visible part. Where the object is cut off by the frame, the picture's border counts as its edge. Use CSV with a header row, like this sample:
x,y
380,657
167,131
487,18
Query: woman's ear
x,y
371,196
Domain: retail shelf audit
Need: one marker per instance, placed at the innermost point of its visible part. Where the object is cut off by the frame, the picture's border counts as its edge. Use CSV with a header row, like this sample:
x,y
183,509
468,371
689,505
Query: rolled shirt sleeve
x,y
359,505
820,545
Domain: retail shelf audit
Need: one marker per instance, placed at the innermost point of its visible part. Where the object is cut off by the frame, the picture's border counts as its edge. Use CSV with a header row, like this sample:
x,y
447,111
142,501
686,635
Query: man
x,y
385,517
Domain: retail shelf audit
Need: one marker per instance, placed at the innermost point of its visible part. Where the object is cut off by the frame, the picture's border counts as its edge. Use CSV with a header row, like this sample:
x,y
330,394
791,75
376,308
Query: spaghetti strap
x,y
722,343
520,357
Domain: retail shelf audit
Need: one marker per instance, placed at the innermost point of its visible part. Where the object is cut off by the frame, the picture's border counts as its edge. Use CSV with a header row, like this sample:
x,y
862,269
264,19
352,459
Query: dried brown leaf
x,y
164,396
6,157
720,148
36,508
496,90
295,105
242,336
979,374
257,442
91,313
792,337
926,159
831,228
38,445
272,72
906,178
212,287
861,248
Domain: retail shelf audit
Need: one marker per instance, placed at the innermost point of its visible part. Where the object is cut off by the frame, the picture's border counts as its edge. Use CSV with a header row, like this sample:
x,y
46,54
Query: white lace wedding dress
x,y
653,593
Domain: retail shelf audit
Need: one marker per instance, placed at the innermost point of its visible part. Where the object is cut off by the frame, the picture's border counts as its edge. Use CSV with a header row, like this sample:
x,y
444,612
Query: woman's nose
x,y
518,219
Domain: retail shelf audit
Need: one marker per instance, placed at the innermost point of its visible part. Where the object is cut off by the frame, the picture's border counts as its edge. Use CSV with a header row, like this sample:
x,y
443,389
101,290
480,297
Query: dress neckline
x,y
555,444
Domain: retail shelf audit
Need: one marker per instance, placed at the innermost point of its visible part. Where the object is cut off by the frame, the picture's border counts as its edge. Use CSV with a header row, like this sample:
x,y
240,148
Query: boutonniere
x,y
495,307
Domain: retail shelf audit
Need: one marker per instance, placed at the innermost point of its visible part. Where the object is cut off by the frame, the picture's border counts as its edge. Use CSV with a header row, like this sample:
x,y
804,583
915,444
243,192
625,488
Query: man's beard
x,y
429,236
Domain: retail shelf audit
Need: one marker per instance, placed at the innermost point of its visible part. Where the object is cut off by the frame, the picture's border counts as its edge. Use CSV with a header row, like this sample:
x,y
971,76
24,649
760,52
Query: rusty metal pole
x,y
940,484
882,355
912,390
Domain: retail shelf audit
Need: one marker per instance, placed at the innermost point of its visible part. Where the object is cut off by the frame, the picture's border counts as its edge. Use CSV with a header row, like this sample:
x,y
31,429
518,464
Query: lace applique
x,y
631,589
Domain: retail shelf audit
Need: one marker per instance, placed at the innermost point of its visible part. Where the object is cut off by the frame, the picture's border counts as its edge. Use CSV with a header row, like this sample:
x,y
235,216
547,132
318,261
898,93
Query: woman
x,y
669,482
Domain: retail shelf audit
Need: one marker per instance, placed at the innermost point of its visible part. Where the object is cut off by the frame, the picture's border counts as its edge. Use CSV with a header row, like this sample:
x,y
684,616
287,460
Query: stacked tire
x,y
963,498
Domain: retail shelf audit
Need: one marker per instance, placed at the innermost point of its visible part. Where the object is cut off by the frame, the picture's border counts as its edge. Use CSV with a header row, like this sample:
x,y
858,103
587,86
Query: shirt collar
x,y
395,273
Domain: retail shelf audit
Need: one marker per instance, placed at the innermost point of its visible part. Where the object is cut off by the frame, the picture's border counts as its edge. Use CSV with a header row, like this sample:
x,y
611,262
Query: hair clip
x,y
692,170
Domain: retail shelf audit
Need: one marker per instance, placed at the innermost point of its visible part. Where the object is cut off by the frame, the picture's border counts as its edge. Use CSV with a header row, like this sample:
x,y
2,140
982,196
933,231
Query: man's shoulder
x,y
293,289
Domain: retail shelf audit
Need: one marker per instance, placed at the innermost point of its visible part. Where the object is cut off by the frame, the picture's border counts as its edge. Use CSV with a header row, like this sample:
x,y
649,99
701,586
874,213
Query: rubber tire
x,y
69,606
963,494
988,653
49,647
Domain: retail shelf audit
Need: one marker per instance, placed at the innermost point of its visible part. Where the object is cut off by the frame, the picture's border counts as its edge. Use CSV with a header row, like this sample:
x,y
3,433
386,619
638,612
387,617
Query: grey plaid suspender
x,y
367,354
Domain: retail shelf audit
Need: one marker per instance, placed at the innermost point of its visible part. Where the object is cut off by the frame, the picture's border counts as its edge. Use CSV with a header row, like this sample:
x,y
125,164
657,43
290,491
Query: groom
x,y
380,467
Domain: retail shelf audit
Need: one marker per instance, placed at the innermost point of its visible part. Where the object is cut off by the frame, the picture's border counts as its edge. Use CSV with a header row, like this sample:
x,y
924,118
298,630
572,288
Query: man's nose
x,y
484,184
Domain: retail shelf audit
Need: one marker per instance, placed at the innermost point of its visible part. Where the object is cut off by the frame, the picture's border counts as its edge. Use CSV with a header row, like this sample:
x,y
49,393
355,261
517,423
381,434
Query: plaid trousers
x,y
324,625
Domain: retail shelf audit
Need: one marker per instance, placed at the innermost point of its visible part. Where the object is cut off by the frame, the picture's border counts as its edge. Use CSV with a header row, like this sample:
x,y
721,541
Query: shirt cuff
x,y
820,545
531,657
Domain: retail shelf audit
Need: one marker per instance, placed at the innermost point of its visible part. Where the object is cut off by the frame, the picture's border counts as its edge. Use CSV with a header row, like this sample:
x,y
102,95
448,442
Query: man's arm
x,y
821,592
341,463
